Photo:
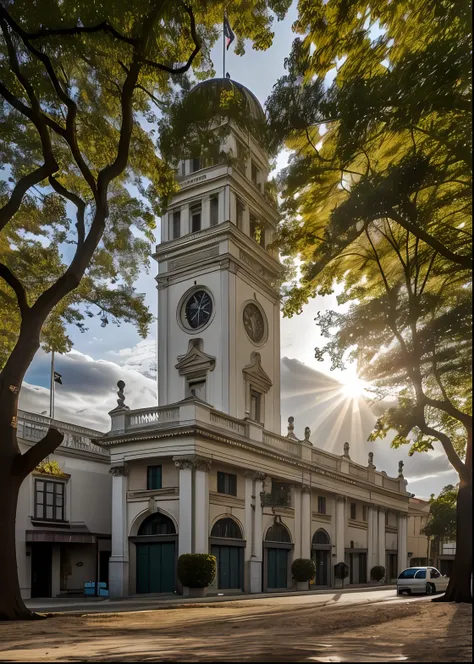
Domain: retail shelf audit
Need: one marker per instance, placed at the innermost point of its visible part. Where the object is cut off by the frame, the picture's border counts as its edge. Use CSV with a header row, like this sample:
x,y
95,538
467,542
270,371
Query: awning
x,y
55,536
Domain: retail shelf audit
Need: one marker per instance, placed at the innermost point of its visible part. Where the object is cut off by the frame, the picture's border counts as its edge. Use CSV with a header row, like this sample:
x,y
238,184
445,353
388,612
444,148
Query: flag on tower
x,y
228,32
58,378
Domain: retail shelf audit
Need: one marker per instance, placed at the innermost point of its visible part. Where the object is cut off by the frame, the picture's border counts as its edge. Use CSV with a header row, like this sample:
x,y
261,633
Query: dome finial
x,y
227,75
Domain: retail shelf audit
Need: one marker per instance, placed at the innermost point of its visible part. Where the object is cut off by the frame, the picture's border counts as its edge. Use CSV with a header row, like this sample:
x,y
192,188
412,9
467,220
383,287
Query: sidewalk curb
x,y
180,603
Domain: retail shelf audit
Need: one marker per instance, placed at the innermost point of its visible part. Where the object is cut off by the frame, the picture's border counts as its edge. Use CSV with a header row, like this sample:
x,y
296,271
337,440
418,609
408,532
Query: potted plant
x,y
377,573
196,571
303,570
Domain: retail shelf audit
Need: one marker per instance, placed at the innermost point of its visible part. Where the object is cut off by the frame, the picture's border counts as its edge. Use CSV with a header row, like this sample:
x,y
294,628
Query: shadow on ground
x,y
418,631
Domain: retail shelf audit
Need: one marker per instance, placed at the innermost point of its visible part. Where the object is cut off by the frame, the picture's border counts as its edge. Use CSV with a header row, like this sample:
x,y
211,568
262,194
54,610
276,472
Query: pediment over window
x,y
195,360
255,374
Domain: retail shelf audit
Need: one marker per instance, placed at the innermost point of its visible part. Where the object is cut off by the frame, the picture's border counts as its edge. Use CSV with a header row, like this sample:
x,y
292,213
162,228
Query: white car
x,y
421,580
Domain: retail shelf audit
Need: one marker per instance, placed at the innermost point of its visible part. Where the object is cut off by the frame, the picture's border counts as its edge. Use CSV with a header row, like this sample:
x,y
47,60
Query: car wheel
x,y
429,589
433,588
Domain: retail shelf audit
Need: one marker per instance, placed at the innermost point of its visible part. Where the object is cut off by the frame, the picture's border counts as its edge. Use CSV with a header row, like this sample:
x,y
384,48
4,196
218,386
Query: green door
x,y
229,566
156,567
277,568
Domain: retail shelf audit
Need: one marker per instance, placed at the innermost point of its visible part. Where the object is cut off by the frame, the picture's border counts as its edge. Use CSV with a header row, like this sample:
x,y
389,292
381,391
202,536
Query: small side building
x,y
63,524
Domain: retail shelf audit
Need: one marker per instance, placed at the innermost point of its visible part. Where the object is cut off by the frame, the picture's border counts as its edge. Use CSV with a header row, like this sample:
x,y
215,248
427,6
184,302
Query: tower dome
x,y
211,89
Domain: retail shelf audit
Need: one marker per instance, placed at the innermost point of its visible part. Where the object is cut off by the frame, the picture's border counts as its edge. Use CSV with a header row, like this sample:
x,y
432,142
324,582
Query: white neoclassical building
x,y
207,469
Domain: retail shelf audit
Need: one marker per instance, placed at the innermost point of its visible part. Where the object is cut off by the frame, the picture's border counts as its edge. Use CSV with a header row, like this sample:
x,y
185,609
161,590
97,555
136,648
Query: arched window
x,y
320,537
278,533
226,528
157,524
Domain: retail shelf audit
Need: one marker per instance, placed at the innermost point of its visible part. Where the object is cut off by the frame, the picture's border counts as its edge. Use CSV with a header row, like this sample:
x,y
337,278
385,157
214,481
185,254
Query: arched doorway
x,y
156,555
277,547
227,545
321,554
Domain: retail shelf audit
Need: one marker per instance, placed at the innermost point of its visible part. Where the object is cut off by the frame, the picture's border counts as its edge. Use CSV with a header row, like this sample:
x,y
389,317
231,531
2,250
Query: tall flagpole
x,y
51,389
223,46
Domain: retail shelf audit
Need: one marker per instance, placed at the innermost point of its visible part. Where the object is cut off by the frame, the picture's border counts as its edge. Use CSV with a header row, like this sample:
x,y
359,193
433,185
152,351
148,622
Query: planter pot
x,y
302,585
194,592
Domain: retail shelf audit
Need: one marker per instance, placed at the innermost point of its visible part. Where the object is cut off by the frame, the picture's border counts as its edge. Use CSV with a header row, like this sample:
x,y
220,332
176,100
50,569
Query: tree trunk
x,y
12,606
459,588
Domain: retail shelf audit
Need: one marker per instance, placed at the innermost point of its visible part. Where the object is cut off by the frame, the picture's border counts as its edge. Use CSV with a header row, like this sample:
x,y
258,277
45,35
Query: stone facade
x,y
207,470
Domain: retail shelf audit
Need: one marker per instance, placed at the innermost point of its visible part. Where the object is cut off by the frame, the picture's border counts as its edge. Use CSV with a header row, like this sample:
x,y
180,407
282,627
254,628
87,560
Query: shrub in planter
x,y
196,570
303,569
377,573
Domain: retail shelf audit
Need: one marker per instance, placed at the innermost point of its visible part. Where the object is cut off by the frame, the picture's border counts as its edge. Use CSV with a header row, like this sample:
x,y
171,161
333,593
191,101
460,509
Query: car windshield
x,y
409,573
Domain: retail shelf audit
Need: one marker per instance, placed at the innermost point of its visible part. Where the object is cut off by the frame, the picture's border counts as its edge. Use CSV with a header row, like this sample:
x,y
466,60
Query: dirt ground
x,y
413,631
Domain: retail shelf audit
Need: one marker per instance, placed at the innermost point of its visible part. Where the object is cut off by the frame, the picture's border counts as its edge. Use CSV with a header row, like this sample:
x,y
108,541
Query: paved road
x,y
334,597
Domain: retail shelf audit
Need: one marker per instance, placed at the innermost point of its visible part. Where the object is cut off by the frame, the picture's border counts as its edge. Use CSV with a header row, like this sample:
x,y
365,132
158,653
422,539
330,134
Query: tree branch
x,y
78,202
445,441
197,47
77,30
17,286
70,133
21,187
463,261
27,462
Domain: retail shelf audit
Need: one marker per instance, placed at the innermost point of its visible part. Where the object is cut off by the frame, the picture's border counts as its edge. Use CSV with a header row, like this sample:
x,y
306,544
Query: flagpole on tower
x,y
51,390
223,46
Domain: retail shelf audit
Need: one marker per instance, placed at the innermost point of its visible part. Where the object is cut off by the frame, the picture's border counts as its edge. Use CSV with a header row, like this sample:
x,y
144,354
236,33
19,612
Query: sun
x,y
353,387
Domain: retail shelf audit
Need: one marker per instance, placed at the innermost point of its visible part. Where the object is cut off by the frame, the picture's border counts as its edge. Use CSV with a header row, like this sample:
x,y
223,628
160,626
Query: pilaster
x,y
402,542
201,505
305,521
255,480
381,537
340,528
185,537
118,562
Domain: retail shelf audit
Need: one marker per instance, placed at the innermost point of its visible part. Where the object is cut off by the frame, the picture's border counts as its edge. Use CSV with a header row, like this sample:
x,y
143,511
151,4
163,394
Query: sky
x,y
315,396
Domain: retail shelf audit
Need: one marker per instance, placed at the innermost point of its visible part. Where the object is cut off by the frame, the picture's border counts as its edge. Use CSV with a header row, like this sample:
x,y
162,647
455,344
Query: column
x,y
340,528
185,526
256,559
298,522
371,539
118,563
201,505
305,522
381,537
402,542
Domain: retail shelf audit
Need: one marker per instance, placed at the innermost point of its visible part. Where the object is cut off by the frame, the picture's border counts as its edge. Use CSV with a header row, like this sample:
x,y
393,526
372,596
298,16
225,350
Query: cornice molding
x,y
242,443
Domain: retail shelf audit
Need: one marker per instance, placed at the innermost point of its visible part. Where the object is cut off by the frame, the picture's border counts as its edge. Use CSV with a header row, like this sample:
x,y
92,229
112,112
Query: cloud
x,y
312,397
88,391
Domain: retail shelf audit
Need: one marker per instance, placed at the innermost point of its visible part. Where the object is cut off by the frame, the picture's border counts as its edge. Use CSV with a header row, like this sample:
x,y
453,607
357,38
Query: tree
x,y
442,520
78,82
377,196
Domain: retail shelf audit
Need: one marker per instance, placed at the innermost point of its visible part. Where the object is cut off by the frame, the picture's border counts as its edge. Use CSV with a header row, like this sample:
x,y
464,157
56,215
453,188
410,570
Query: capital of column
x,y
305,488
255,475
199,463
119,471
340,499
184,463
382,509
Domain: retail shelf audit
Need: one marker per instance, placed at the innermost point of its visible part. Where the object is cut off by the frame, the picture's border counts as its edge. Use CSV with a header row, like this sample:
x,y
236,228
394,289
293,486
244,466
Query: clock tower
x,y
218,303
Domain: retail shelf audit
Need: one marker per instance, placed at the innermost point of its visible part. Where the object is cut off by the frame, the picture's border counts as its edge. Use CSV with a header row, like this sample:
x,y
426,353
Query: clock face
x,y
198,309
254,323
